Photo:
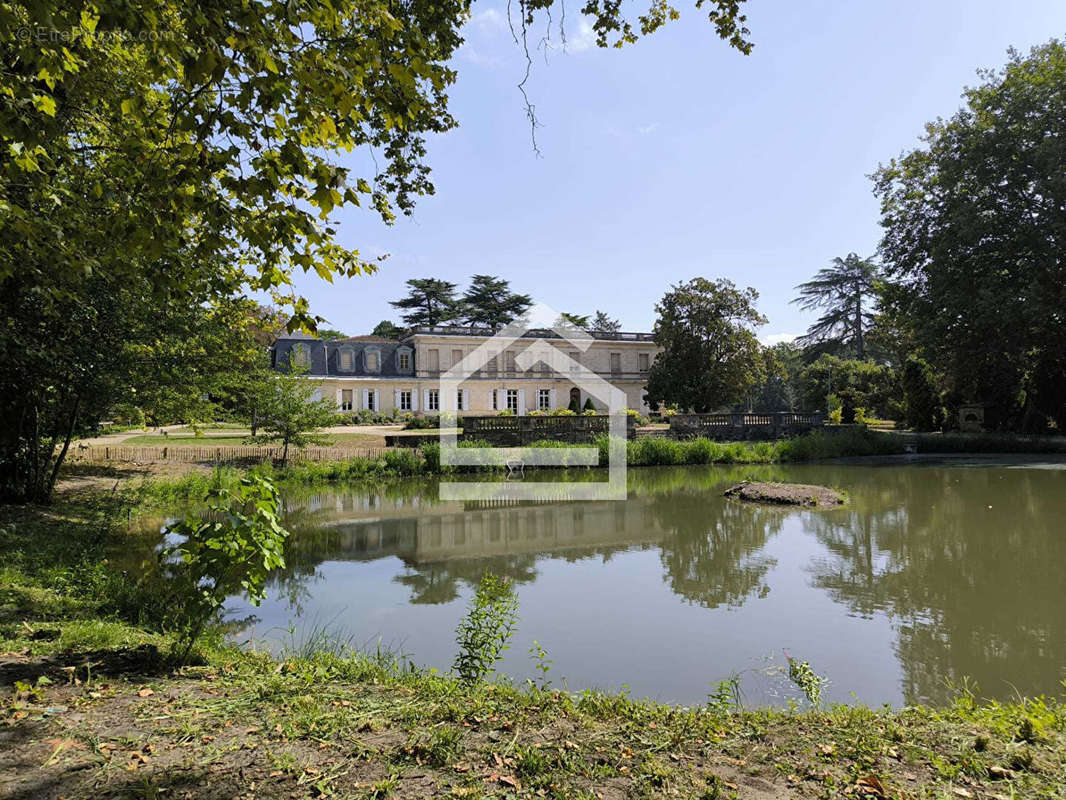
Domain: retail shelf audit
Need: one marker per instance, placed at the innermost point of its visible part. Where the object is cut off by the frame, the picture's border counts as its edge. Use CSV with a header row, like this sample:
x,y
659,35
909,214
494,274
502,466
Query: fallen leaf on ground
x,y
145,692
871,784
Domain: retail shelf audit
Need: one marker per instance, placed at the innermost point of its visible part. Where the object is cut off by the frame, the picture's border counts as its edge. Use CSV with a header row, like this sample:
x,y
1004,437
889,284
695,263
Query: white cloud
x,y
488,20
771,339
467,52
584,39
644,130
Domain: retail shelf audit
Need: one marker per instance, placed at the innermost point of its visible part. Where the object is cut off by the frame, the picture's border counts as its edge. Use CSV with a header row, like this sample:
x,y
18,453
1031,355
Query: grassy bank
x,y
94,707
425,460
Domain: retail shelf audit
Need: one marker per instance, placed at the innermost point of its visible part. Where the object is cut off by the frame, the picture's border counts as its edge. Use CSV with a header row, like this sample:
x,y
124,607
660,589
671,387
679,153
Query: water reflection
x,y
931,573
970,561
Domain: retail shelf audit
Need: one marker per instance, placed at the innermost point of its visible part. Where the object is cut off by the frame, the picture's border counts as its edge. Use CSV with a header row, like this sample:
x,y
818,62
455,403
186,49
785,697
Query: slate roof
x,y
325,355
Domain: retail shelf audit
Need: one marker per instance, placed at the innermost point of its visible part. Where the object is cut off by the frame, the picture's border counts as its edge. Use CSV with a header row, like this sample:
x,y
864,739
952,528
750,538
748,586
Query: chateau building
x,y
368,372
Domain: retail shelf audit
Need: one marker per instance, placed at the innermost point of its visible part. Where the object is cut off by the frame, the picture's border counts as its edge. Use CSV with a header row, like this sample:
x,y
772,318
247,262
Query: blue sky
x,y
678,156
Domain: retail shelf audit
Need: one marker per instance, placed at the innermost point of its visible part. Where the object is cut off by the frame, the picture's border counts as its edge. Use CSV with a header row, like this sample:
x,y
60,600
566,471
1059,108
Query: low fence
x,y
735,427
219,454
519,431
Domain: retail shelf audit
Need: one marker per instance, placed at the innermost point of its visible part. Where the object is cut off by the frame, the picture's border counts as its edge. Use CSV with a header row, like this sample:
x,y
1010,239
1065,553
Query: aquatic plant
x,y
809,682
483,633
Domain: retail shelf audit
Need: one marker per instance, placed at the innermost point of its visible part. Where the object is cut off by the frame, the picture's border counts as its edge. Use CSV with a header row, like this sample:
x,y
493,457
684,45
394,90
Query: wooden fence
x,y
775,425
206,454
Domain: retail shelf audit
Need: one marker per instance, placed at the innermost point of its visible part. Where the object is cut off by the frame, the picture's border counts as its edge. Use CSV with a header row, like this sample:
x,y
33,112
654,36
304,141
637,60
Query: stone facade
x,y
365,372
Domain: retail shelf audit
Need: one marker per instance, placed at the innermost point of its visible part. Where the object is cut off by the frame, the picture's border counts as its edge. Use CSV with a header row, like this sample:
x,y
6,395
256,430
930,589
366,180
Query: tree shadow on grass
x,y
131,663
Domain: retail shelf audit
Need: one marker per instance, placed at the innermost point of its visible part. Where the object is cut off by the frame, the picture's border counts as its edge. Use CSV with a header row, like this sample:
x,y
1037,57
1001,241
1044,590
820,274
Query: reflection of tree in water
x,y
711,548
438,582
973,567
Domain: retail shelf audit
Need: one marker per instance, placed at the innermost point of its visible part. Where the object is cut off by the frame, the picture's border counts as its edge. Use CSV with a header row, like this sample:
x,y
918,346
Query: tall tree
x,y
575,320
975,233
429,301
489,302
330,334
601,323
187,150
387,330
845,290
710,355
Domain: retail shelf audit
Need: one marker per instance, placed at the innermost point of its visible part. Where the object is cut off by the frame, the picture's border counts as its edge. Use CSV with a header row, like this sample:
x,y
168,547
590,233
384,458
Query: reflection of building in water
x,y
372,526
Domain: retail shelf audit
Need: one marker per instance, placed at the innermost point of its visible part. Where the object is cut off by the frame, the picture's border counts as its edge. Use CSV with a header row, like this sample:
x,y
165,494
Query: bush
x,y
638,419
589,405
230,550
404,461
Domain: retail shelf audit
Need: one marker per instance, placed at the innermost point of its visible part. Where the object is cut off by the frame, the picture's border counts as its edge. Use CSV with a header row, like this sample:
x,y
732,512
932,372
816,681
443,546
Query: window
x,y
457,356
644,359
433,356
495,402
616,363
346,360
301,355
544,399
432,400
371,399
512,400
459,400
491,365
509,361
405,401
403,361
372,359
346,399
575,362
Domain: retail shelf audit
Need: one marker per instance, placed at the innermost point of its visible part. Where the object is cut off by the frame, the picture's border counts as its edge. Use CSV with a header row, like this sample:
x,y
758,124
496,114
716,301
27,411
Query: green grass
x,y
191,440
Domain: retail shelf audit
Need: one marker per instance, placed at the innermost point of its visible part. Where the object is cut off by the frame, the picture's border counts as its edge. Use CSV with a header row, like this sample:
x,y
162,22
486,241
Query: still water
x,y
933,573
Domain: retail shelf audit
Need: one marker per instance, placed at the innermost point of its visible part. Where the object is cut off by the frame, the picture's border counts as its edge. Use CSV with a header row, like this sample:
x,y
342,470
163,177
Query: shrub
x,y
589,405
638,419
232,549
573,406
404,461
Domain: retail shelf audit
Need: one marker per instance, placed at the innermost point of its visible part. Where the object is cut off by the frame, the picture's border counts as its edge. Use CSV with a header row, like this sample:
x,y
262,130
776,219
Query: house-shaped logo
x,y
530,340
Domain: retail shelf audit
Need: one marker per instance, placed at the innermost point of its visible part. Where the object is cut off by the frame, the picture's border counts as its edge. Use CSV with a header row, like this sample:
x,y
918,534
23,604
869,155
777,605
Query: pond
x,y
934,573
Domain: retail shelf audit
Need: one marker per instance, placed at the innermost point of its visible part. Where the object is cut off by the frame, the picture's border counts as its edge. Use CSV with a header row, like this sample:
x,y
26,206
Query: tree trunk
x,y
50,488
859,345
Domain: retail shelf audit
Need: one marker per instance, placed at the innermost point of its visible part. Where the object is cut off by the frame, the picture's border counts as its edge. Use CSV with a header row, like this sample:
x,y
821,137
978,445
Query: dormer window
x,y
346,359
372,359
404,360
301,355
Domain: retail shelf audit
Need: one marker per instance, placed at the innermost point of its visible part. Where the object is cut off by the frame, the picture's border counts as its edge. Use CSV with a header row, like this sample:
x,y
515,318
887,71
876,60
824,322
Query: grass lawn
x,y
93,706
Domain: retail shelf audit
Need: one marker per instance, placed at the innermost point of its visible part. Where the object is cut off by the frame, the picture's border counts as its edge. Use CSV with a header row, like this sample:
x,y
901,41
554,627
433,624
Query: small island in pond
x,y
791,494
